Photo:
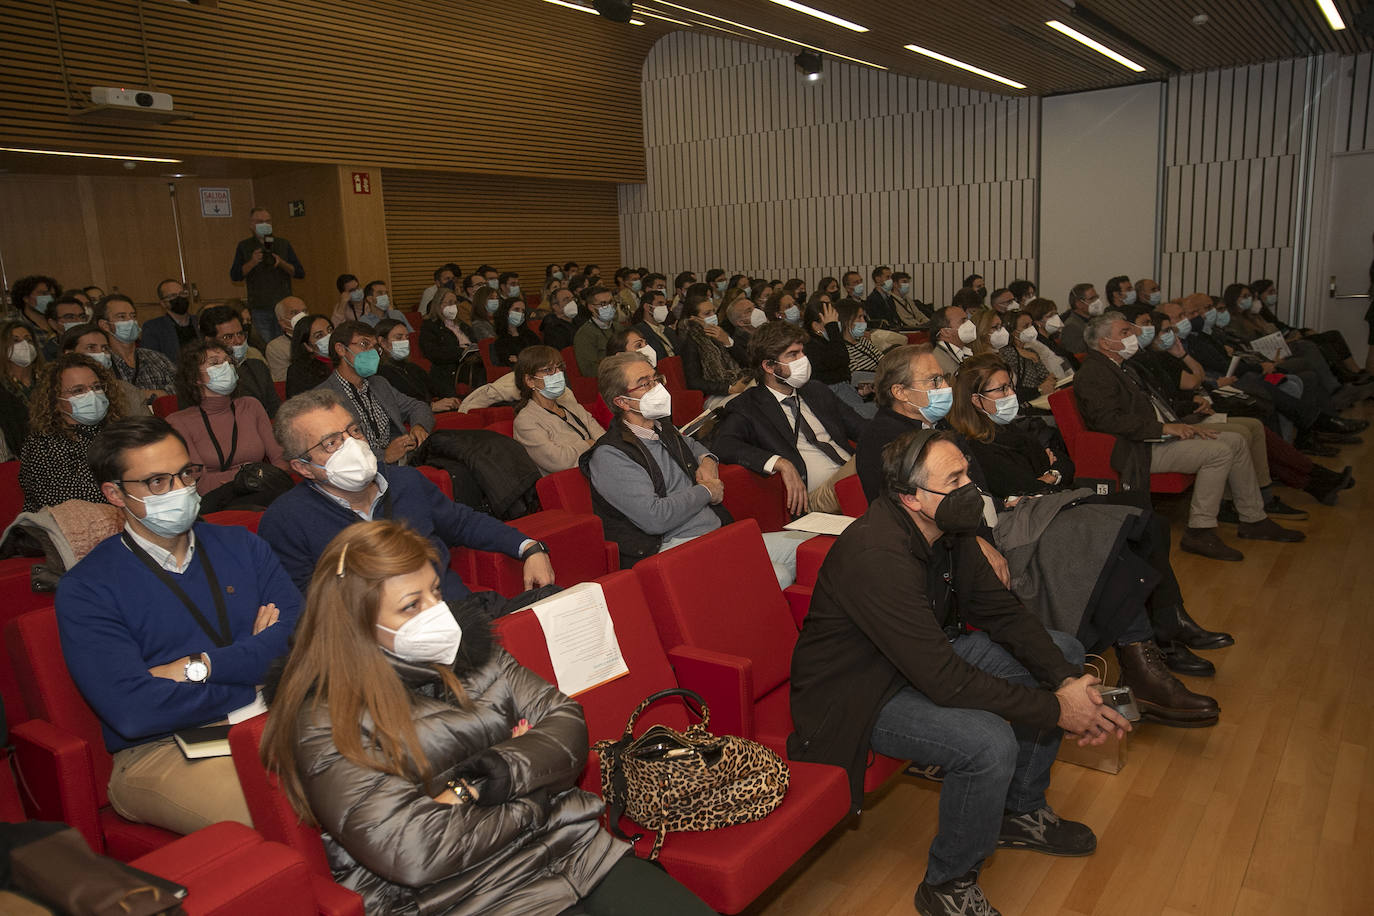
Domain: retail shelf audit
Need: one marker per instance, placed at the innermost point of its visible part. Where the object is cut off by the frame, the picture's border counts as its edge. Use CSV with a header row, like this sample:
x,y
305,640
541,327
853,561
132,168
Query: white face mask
x,y
23,353
1129,346
222,378
296,319
1096,307
968,332
1053,325
1128,298
660,313
1027,335
352,467
450,312
757,318
570,309
798,371
169,514
656,403
999,338
650,354
430,637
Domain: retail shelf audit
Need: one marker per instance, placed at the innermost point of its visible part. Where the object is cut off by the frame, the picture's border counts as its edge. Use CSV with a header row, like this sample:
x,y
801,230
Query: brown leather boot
x,y
1161,696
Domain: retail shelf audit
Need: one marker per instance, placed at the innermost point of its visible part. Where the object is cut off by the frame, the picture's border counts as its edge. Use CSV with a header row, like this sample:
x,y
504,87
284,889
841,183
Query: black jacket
x,y
881,310
828,355
756,427
875,626
885,426
1113,403
557,331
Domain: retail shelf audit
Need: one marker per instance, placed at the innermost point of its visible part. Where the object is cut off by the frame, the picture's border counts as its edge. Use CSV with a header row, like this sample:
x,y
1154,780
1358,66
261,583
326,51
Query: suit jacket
x,y
881,309
255,381
756,427
403,412
160,334
1110,402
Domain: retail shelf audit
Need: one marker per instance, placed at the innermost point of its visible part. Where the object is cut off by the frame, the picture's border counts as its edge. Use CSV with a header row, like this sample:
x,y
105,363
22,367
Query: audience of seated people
x,y
277,353
589,343
393,424
393,343
90,340
711,360
226,431
449,343
132,360
549,422
512,333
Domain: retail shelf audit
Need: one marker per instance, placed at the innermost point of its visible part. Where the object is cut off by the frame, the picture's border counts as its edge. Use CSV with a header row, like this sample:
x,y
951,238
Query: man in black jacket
x,y
889,659
790,425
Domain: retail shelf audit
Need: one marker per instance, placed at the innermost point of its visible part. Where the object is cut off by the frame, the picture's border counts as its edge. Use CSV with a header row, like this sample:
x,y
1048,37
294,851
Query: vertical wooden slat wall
x,y
752,169
1353,122
494,86
512,224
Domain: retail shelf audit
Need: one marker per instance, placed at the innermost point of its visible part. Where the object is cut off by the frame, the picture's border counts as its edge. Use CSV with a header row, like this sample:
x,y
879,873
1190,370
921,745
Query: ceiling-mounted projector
x,y
614,10
111,105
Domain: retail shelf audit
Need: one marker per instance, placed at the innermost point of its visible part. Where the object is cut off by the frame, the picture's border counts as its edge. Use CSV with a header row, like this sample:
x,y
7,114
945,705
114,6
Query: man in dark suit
x,y
790,425
167,332
880,307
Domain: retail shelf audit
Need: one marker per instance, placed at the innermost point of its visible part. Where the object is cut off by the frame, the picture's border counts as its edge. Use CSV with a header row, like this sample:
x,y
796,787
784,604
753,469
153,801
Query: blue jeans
x,y
991,766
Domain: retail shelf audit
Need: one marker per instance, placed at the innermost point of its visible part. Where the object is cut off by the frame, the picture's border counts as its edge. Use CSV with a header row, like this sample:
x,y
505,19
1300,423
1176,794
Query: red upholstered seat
x,y
494,371
276,820
440,478
577,546
727,868
670,367
453,419
281,389
584,389
165,405
750,495
17,597
1092,452
570,360
11,494
850,493
566,490
236,518
417,357
61,752
503,427
688,404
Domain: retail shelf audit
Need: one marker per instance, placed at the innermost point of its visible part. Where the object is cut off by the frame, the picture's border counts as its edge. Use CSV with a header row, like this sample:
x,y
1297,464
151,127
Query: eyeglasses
x,y
647,383
363,345
161,483
1000,391
925,384
334,441
548,370
237,337
79,390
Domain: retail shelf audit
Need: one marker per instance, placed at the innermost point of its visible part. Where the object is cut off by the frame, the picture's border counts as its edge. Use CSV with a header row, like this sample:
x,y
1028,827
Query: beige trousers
x,y
1253,431
1217,463
155,784
823,498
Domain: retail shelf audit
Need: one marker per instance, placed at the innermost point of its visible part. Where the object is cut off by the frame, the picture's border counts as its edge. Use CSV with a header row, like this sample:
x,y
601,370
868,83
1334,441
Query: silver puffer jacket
x,y
387,839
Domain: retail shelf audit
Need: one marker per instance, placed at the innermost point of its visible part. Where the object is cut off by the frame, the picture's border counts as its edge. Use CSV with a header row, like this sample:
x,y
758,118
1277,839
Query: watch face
x,y
196,671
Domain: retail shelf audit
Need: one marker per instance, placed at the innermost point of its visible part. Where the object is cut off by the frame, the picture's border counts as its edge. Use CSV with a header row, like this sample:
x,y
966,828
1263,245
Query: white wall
x,y
1099,179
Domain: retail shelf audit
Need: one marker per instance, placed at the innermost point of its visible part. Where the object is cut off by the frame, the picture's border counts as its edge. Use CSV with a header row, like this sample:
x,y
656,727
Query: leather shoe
x,y
1161,696
1206,543
1280,509
1176,625
1181,661
1269,530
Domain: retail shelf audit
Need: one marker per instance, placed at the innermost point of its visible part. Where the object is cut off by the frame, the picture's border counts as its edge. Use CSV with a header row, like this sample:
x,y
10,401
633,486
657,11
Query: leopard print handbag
x,y
693,780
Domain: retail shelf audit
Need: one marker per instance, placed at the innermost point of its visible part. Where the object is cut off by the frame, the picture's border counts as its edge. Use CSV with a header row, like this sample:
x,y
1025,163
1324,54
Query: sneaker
x,y
960,897
1044,831
1280,509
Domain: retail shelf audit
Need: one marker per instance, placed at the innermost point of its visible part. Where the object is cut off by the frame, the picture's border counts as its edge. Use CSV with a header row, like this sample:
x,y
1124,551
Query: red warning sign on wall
x,y
362,183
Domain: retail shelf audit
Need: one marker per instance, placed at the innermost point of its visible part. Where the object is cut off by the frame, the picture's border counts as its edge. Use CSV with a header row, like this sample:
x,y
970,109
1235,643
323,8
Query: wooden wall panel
x,y
751,169
488,86
1353,120
518,225
317,237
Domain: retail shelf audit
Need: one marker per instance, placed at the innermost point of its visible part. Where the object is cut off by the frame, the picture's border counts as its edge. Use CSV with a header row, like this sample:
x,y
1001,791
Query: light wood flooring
x,y
1270,812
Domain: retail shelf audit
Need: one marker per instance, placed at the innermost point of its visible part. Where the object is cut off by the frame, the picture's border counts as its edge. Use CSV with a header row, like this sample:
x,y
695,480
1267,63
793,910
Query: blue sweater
x,y
301,522
117,619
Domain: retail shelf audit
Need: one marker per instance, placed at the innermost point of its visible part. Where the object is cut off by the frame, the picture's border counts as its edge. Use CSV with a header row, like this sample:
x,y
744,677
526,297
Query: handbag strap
x,y
702,711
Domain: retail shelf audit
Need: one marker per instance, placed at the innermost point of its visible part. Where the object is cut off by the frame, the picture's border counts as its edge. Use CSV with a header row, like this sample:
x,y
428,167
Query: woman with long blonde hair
x,y
442,772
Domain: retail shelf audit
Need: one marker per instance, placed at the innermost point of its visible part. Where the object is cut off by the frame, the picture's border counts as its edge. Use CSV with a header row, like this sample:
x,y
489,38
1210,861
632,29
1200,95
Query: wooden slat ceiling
x,y
1009,37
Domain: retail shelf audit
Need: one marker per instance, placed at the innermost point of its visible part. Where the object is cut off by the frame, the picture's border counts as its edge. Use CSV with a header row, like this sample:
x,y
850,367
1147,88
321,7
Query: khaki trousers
x,y
1253,431
155,784
1217,463
823,498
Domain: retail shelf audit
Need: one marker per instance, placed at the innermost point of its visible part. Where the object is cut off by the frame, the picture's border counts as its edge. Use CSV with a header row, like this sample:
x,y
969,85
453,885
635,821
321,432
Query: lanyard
x,y
233,441
577,425
221,637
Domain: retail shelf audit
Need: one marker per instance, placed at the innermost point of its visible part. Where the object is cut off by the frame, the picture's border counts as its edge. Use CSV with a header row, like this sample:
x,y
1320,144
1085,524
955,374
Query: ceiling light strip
x,y
574,6
644,12
1096,45
819,14
784,38
988,74
53,152
1333,15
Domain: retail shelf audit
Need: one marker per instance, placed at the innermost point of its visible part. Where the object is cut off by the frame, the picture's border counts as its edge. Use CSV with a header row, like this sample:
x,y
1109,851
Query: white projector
x,y
131,98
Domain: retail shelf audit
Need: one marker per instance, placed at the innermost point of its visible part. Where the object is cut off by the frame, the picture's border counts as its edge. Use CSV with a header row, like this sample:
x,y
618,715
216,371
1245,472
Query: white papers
x,y
1272,347
821,523
581,638
1231,369
1214,418
243,713
1067,379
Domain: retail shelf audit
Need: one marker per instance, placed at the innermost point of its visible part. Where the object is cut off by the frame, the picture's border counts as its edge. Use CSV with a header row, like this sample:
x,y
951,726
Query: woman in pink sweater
x,y
231,436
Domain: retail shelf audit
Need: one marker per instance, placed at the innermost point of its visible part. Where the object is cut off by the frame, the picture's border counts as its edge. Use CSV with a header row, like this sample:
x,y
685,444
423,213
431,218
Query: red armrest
x,y
334,900
1092,455
810,555
612,556
798,602
725,682
56,778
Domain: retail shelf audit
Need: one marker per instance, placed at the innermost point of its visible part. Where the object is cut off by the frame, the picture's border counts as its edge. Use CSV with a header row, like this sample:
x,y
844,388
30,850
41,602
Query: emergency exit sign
x,y
362,183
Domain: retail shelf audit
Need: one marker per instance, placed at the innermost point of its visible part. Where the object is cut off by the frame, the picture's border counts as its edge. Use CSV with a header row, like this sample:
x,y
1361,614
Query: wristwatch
x,y
536,547
197,671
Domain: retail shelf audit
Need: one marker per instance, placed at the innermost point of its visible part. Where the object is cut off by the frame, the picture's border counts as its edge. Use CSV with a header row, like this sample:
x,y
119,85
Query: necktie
x,y
804,428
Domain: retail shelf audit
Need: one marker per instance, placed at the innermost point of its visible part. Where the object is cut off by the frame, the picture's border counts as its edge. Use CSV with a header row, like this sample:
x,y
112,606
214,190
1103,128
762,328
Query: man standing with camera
x,y
267,265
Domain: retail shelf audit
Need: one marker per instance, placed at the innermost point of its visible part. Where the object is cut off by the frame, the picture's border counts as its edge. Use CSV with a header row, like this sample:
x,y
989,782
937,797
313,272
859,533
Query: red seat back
x,y
684,587
494,371
570,361
577,550
11,495
584,389
1066,416
504,427
416,356
687,405
1091,452
165,406
439,478
670,367
567,490
453,419
750,495
273,815
35,650
281,390
850,493
236,518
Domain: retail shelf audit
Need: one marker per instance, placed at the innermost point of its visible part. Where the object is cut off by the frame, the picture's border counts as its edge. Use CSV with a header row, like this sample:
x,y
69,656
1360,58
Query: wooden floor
x,y
1269,812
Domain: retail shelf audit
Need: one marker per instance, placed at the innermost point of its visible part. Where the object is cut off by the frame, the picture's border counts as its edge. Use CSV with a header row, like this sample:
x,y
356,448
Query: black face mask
x,y
961,510
449,284
179,305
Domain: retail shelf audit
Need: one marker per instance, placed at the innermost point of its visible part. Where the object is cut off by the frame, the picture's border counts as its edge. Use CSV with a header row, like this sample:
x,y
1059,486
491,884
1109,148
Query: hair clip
x,y
342,554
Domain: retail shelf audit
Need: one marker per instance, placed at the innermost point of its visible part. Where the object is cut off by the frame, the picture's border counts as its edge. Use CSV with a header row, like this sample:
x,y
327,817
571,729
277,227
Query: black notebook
x,y
207,741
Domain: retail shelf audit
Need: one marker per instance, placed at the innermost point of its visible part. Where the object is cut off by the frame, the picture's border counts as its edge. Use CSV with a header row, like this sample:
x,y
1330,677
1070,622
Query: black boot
x,y
1175,625
1325,486
1181,661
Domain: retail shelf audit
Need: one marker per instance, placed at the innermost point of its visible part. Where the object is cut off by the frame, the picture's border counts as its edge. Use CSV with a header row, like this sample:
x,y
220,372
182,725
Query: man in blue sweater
x,y
170,625
343,484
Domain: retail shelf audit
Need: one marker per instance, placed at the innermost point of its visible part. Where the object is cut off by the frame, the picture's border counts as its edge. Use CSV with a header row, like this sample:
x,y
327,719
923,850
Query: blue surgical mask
x,y
222,378
555,383
493,304
494,283
941,400
887,285
355,295
102,358
41,303
858,328
169,514
604,313
1155,298
1224,318
383,301
90,408
1271,300
366,363
557,275
1184,328
1209,320
1146,334
792,315
904,289
1167,340
239,351
711,320
858,290
513,290
1244,303
128,330
514,318
1006,410
263,229
636,285
400,349
322,345
721,284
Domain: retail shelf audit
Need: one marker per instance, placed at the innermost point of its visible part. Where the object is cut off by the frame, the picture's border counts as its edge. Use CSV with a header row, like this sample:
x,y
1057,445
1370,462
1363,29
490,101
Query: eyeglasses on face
x,y
646,384
158,484
79,390
1000,391
334,441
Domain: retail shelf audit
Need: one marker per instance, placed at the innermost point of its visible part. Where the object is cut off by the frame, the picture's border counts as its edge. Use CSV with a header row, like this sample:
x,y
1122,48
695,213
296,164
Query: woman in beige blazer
x,y
549,422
